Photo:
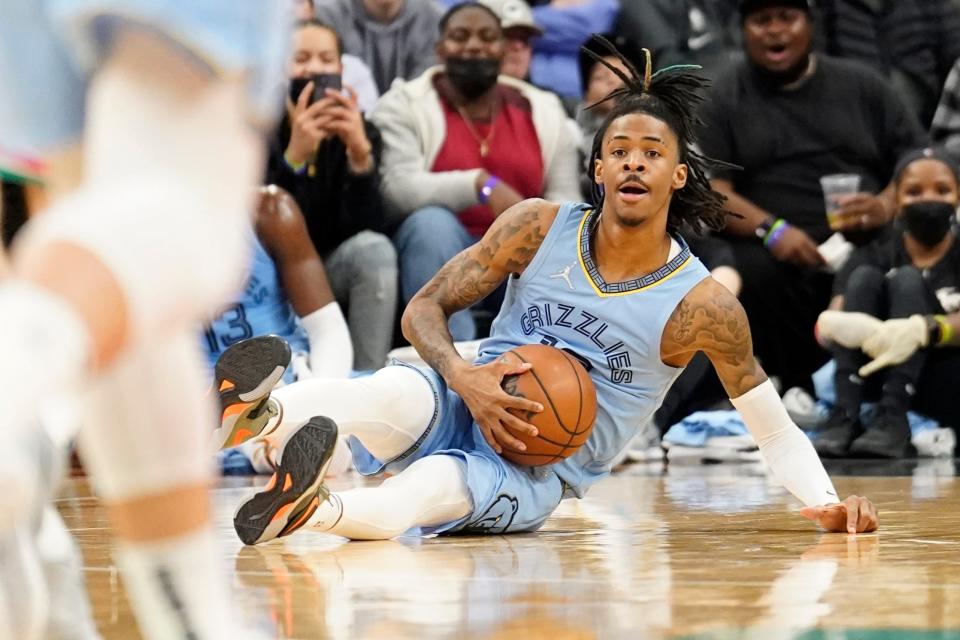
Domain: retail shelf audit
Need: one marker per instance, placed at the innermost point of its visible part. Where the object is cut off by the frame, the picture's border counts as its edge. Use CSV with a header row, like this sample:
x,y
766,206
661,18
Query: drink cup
x,y
836,188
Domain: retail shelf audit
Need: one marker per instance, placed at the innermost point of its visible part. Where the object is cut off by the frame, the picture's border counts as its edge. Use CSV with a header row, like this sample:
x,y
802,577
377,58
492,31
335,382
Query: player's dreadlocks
x,y
671,95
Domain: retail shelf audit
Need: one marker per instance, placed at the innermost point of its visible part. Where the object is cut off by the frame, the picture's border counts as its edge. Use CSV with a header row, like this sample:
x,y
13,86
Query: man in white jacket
x,y
461,145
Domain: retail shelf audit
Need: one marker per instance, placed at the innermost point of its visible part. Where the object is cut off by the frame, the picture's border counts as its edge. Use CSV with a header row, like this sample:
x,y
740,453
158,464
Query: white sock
x,y
45,347
177,587
432,491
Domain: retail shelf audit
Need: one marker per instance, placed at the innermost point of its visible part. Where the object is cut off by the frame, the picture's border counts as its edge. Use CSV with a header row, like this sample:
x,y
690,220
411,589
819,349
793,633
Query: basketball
x,y
561,384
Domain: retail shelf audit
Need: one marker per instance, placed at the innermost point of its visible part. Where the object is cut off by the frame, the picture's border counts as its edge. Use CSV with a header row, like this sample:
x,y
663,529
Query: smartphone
x,y
321,82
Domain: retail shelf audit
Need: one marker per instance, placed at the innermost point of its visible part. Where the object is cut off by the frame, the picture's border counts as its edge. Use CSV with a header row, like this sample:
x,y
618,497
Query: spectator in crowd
x,y
566,25
913,43
326,155
287,294
395,38
519,31
462,145
788,117
945,130
356,73
700,32
911,279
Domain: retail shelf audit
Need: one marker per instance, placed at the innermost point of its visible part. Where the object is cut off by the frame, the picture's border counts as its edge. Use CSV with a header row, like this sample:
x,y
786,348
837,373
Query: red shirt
x,y
513,154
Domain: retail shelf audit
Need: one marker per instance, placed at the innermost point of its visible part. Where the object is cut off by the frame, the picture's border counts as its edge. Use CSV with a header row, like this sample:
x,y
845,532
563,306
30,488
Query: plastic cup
x,y
836,188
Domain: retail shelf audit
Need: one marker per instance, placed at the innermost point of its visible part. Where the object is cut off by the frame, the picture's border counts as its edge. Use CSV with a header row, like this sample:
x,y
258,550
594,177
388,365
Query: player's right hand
x,y
480,387
796,247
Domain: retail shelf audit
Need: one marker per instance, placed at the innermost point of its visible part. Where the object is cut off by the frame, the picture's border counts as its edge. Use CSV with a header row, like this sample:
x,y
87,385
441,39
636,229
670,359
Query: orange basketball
x,y
560,383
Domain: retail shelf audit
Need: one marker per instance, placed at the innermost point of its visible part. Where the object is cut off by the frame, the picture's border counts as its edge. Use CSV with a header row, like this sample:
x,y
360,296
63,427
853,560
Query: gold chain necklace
x,y
483,142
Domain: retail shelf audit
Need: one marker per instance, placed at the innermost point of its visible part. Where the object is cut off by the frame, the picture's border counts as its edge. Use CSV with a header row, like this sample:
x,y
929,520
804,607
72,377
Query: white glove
x,y
846,328
894,342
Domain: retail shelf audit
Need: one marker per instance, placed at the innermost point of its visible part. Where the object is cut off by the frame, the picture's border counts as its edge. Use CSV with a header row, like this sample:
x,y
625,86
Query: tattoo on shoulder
x,y
508,248
718,326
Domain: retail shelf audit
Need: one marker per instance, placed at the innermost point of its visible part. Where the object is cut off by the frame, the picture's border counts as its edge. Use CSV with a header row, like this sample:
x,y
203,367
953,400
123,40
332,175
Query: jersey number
x,y
239,329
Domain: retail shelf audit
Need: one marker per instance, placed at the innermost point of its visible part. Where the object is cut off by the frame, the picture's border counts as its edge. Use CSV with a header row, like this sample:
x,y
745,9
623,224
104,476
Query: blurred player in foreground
x,y
146,114
615,284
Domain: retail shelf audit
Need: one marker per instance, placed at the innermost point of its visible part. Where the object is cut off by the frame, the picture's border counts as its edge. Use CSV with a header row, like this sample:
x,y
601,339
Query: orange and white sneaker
x,y
245,375
295,490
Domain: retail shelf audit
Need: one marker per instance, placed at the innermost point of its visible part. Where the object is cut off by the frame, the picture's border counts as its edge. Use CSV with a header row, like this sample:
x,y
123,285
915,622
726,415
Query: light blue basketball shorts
x,y
507,498
50,48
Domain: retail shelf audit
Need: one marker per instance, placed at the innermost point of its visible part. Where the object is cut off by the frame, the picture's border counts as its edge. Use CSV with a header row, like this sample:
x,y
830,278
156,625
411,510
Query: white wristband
x,y
331,352
786,450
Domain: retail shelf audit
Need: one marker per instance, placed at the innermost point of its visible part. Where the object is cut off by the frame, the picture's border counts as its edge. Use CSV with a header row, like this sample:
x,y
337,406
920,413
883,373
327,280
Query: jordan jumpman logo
x,y
565,274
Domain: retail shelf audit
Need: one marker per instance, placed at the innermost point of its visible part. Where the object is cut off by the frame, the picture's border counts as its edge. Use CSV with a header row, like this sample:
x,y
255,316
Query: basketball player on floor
x,y
144,238
630,299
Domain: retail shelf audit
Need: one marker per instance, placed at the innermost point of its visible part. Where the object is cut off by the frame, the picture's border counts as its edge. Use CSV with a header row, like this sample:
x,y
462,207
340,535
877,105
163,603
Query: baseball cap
x,y
514,14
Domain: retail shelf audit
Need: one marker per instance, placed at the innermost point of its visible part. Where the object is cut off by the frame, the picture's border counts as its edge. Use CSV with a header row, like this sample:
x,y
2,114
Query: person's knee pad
x,y
148,422
173,261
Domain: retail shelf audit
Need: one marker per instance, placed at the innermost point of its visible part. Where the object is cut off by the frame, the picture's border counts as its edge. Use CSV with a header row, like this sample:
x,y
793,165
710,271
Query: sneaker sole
x,y
293,492
245,375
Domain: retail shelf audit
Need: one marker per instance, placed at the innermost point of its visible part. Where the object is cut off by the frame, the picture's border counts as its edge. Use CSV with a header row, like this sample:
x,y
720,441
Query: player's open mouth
x,y
777,52
632,191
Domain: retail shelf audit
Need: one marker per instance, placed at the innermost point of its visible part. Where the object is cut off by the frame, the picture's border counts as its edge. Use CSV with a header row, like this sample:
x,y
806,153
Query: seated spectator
x,y
461,146
700,32
519,31
326,155
911,278
912,43
395,38
566,25
789,116
286,294
945,130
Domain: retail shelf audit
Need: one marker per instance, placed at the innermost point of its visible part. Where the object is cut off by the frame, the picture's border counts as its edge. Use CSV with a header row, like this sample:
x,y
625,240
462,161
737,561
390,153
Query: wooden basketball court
x,y
693,552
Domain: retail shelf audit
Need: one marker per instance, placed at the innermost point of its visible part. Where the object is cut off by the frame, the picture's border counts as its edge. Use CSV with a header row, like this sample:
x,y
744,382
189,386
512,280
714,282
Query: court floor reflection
x,y
703,551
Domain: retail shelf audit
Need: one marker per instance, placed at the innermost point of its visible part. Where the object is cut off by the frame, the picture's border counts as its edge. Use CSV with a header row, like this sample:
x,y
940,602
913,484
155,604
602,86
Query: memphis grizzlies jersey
x,y
262,309
561,299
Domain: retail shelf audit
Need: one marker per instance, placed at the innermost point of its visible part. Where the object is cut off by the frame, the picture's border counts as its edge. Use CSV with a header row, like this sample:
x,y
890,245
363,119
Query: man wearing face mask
x,y
901,304
326,155
461,145
789,116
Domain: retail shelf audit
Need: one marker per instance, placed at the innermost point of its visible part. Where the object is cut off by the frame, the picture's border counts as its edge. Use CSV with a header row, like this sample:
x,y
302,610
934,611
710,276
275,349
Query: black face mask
x,y
928,222
472,77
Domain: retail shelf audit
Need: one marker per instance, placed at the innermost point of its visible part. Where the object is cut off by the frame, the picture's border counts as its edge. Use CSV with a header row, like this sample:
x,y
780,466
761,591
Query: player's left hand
x,y
853,515
894,342
861,211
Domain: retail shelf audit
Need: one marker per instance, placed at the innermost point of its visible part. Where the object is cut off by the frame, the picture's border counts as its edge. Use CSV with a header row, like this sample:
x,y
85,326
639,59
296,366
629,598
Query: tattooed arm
x,y
710,319
507,248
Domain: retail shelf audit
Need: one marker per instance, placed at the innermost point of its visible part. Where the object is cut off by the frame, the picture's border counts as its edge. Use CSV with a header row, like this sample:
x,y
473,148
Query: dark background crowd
x,y
410,126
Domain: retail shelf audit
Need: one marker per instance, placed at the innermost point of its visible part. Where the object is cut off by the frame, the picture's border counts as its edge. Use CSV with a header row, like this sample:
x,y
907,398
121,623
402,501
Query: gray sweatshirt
x,y
402,49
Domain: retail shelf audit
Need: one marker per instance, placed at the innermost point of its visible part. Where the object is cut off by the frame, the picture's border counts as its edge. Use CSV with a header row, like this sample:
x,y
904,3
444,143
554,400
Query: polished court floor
x,y
692,552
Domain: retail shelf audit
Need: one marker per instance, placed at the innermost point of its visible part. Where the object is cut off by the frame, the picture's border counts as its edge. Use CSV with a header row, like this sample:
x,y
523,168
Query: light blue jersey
x,y
262,309
50,48
613,328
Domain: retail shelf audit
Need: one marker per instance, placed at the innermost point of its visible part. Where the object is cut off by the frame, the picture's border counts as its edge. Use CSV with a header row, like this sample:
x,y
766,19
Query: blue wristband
x,y
773,236
487,189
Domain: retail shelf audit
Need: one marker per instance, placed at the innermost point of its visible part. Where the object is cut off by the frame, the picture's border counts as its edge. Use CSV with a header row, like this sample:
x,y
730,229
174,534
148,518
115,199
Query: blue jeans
x,y
425,241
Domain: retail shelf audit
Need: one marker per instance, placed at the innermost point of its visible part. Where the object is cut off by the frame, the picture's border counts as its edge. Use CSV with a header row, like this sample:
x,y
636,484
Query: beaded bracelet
x,y
773,236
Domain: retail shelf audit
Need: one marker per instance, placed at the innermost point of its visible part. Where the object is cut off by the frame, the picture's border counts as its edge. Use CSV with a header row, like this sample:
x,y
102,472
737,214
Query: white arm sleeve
x,y
786,450
331,351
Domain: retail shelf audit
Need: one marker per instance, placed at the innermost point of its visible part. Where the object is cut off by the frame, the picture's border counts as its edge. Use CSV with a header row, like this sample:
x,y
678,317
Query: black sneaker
x,y
296,488
245,375
887,436
838,431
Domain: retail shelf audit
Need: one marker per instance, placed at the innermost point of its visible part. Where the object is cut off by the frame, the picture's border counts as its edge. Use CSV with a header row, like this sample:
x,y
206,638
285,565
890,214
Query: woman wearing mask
x,y
461,145
900,298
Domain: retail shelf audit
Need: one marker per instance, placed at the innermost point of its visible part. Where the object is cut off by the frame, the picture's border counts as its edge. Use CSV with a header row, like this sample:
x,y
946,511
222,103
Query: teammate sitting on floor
x,y
912,277
286,294
631,300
